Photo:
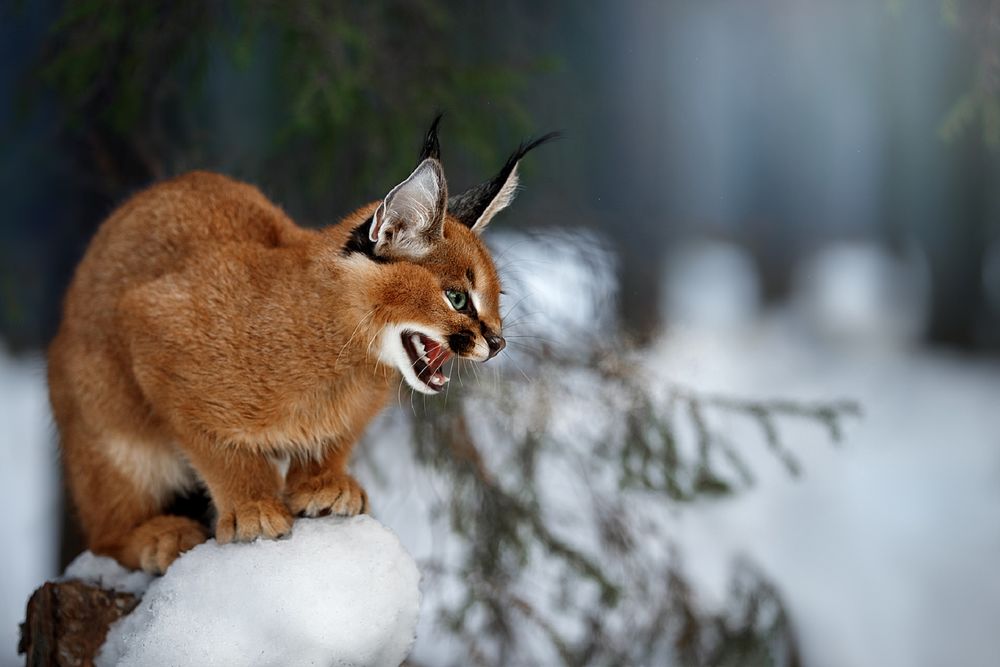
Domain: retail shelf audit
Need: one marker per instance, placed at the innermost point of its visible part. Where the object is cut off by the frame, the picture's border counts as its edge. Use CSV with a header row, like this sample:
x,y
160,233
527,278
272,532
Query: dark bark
x,y
66,623
639,299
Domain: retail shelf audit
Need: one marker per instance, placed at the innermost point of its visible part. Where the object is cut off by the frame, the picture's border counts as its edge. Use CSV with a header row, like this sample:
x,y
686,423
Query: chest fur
x,y
330,416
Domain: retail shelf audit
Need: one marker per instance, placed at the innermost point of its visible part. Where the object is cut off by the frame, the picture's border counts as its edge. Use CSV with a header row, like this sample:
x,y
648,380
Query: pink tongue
x,y
434,353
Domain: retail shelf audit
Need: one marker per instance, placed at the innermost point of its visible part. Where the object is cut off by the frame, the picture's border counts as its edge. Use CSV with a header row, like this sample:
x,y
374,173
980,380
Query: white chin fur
x,y
481,352
391,352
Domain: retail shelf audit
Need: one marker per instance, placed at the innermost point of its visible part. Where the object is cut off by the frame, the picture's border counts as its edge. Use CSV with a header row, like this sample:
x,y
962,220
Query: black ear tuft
x,y
431,147
525,147
470,206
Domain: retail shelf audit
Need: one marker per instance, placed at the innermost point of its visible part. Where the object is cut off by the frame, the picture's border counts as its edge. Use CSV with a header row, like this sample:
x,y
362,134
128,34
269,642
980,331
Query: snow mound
x,y
107,573
710,284
860,293
337,592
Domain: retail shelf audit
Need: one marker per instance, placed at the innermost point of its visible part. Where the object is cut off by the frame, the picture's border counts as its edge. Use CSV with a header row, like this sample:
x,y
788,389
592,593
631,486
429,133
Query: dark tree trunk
x,y
957,247
66,623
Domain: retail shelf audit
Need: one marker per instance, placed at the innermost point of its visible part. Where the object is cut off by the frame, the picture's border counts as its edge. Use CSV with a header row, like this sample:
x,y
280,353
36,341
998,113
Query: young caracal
x,y
208,341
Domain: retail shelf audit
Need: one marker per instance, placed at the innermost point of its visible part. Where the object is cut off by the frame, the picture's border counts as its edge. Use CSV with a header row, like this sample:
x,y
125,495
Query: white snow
x,y
337,592
106,573
858,292
884,550
561,282
712,283
28,493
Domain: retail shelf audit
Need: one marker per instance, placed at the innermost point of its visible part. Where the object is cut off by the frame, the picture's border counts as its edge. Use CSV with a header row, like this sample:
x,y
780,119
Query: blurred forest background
x,y
725,163
779,125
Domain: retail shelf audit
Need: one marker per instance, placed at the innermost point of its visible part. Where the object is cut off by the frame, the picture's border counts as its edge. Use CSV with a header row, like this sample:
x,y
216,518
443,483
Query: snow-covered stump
x,y
67,622
338,591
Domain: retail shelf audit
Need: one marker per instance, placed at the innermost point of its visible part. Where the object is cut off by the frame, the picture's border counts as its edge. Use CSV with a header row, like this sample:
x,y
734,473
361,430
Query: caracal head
x,y
439,289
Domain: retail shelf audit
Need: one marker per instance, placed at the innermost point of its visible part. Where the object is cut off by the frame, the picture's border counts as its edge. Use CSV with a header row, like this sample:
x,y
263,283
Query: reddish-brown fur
x,y
205,335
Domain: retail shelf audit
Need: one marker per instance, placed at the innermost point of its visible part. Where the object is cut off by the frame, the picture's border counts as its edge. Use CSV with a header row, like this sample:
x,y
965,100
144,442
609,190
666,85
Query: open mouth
x,y
426,358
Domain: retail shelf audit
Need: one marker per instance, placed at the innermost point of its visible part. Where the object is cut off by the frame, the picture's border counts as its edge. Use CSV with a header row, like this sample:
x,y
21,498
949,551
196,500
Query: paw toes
x,y
225,528
246,522
167,549
340,495
165,540
148,561
190,539
275,524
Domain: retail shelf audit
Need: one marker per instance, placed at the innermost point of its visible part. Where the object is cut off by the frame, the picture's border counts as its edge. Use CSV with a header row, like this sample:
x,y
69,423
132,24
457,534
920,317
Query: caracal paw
x,y
329,493
247,520
162,539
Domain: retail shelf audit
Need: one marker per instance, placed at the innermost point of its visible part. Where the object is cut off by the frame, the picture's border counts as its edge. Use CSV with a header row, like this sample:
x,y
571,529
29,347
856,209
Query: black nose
x,y
496,344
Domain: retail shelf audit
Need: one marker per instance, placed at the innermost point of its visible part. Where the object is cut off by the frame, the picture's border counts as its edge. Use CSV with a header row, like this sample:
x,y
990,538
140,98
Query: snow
x,y
106,573
562,282
29,483
713,283
883,551
859,292
337,592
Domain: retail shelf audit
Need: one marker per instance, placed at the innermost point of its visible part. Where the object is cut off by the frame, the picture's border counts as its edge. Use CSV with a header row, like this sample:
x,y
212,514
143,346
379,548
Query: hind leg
x,y
120,487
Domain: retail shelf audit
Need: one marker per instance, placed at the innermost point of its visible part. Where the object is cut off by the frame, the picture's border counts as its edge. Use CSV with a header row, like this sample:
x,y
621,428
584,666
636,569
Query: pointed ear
x,y
410,220
431,146
476,206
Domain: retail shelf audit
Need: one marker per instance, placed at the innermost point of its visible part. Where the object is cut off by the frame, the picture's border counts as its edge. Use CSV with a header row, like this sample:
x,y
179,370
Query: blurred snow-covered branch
x,y
557,490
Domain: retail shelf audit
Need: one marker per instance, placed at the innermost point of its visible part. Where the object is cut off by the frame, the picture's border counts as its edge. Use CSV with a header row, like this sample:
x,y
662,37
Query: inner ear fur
x,y
410,220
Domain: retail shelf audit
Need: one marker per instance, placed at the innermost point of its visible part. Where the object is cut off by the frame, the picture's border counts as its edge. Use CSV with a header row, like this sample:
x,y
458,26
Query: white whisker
x,y
447,387
371,312
514,361
520,320
516,304
475,372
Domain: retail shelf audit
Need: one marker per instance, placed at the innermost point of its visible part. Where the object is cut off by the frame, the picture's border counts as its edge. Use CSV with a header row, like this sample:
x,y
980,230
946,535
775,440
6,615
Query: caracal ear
x,y
410,220
476,206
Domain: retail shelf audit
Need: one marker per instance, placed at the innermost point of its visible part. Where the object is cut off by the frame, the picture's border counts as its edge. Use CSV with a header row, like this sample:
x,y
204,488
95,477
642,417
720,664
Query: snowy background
x,y
883,550
29,485
777,199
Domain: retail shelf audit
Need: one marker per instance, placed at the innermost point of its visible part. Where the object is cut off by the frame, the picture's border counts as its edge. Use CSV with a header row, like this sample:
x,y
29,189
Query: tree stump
x,y
66,623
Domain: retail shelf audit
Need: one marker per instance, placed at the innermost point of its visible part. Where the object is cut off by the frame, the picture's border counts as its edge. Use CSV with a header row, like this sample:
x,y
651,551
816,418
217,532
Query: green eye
x,y
457,299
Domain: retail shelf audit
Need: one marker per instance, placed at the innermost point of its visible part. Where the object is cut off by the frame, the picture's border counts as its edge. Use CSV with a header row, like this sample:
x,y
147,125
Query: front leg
x,y
245,486
317,488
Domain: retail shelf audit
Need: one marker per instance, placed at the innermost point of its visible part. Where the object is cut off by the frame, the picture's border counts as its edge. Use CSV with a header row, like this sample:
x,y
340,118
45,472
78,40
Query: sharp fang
x,y
418,345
